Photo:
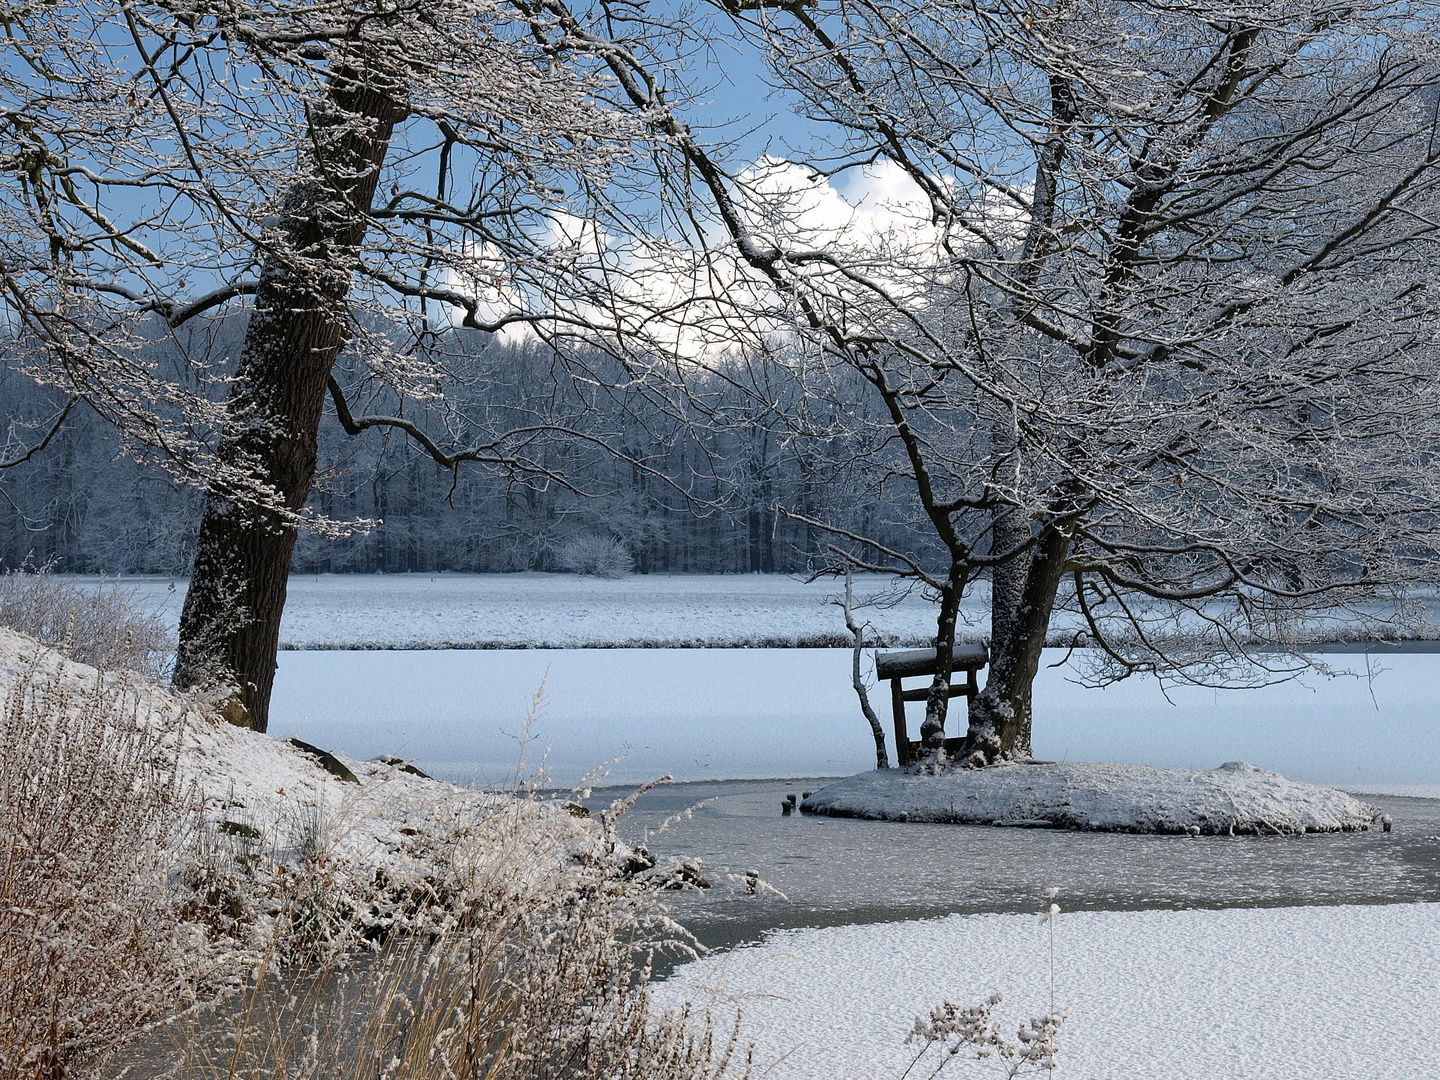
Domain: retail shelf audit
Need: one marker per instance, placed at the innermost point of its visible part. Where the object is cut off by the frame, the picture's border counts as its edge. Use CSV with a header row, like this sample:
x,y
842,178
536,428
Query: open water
x,y
838,871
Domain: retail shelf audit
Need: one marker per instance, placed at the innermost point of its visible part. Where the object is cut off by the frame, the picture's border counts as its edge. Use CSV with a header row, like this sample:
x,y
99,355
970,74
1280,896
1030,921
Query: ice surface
x,y
835,871
1097,797
531,610
1324,993
718,713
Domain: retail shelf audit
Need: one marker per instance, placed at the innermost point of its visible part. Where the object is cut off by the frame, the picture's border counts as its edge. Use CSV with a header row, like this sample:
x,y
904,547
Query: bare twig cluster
x,y
100,626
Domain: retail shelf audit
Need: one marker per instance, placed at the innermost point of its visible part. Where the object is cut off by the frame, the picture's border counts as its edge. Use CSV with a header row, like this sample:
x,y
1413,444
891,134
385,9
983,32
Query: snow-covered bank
x,y
1325,993
1235,798
384,839
571,611
267,786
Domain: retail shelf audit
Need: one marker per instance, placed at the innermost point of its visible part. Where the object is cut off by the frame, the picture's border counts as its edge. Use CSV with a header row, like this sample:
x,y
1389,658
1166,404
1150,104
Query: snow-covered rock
x,y
1237,797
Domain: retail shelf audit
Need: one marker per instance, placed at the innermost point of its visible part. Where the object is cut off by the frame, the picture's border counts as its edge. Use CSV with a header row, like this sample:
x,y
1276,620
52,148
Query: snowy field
x,y
742,713
568,611
560,611
1324,993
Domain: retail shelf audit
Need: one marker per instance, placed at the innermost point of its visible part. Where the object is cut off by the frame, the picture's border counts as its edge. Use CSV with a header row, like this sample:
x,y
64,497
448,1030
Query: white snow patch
x,y
1236,797
1325,993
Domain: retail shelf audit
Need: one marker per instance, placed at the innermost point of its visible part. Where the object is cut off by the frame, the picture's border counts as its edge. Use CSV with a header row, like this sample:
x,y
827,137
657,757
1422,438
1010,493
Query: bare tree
x,y
427,165
857,631
1160,326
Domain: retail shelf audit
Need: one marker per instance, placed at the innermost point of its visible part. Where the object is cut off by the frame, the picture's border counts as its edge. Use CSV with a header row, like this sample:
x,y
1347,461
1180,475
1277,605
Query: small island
x,y
1236,799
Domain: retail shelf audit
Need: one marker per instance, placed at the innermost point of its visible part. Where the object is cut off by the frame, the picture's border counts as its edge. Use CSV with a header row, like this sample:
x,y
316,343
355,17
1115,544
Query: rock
x,y
638,861
232,710
239,828
680,875
399,763
326,760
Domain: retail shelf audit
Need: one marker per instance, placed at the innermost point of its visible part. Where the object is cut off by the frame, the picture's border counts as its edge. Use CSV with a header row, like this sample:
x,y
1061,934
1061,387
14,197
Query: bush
x,y
99,626
88,820
535,966
600,556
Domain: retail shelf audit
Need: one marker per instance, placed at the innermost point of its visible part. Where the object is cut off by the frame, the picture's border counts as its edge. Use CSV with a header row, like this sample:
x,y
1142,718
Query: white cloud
x,y
703,301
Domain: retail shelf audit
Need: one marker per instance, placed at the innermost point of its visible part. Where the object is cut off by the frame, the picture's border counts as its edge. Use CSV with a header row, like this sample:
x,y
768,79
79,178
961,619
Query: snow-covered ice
x,y
704,714
1323,993
1100,797
563,611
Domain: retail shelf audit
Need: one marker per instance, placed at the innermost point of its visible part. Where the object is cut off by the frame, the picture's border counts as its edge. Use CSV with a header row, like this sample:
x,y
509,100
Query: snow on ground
x,y
1324,993
389,817
531,610
1235,798
507,611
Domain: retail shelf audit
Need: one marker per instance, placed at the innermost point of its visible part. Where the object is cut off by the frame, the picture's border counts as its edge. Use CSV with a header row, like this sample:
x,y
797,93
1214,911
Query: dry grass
x,y
101,627
535,966
523,951
88,819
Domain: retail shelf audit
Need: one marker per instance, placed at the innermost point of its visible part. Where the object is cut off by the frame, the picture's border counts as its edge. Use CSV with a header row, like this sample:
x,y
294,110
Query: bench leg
x,y
902,738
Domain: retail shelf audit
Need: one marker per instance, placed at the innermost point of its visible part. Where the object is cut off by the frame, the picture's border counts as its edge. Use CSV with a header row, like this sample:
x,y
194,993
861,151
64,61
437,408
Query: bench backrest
x,y
897,664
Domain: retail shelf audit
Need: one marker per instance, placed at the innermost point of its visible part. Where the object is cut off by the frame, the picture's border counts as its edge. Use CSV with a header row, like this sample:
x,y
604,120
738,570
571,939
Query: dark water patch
x,y
841,871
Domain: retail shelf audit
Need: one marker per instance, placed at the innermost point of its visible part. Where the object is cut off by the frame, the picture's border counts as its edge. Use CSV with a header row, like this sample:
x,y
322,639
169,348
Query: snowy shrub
x,y
954,1028
600,556
535,963
89,814
100,627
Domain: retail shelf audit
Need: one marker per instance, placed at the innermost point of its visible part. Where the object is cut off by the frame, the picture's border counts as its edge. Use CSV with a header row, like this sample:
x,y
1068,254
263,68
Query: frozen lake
x,y
718,718
510,611
834,871
718,714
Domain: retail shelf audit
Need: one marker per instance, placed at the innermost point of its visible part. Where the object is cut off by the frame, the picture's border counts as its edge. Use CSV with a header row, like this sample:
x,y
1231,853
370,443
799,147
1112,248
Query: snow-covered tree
x,y
327,166
1153,320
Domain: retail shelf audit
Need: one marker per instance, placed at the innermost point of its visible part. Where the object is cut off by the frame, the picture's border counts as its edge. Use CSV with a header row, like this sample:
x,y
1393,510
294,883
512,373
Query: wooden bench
x,y
897,666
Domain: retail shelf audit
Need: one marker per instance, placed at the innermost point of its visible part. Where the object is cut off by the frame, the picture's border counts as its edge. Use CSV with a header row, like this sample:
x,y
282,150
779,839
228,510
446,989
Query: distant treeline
x,y
686,482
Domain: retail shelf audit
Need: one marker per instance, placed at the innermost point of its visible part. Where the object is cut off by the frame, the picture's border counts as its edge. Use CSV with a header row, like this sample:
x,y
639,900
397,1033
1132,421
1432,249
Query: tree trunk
x,y
882,759
1021,605
230,625
937,703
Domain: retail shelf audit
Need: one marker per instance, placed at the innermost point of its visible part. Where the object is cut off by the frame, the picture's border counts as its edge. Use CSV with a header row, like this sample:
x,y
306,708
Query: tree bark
x,y
937,702
230,625
1022,602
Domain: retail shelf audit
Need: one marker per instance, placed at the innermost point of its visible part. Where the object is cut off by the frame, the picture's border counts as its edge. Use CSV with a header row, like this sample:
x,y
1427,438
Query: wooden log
x,y
899,664
920,693
902,739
